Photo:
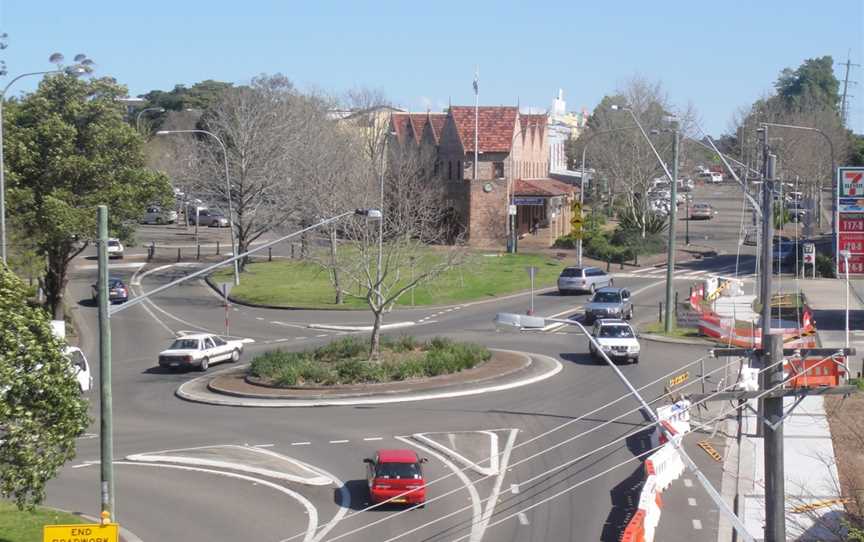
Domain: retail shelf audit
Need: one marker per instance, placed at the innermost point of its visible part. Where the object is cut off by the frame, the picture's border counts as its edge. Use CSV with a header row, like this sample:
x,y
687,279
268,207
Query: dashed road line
x,y
305,443
691,501
697,525
264,445
523,519
343,441
514,488
322,335
370,439
688,482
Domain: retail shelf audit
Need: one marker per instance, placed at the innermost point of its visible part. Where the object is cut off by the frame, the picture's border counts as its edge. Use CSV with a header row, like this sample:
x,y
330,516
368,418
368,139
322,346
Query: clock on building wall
x,y
487,187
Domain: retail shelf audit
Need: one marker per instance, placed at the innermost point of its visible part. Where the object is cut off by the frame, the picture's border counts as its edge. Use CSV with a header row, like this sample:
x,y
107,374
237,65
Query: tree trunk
x,y
55,283
375,340
334,266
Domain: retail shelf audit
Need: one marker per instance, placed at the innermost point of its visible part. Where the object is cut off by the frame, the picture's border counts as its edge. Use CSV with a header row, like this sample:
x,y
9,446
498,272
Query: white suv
x,y
617,339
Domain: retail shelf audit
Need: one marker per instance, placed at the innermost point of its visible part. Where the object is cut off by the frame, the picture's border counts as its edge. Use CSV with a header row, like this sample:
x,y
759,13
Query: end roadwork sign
x,y
81,533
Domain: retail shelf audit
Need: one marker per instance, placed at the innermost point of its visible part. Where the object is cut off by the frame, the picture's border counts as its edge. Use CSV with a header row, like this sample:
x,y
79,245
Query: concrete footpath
x,y
813,509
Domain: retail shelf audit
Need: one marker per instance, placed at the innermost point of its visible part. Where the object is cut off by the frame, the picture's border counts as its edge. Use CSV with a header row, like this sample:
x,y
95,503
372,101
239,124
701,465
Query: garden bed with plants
x,y
346,362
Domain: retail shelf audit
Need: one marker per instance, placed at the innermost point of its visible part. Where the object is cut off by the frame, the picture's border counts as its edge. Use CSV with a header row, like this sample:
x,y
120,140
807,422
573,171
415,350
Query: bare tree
x,y
262,127
414,249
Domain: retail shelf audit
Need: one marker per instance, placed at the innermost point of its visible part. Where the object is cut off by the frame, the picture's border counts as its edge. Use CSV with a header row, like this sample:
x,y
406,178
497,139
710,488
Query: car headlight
x,y
605,347
634,348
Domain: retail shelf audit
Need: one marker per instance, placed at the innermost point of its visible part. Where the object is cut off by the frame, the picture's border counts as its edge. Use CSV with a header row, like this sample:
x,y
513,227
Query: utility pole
x,y
775,490
106,427
670,267
844,102
767,232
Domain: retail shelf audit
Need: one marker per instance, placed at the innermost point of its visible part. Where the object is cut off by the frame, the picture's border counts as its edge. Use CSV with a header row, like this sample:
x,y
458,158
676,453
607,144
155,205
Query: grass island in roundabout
x,y
347,362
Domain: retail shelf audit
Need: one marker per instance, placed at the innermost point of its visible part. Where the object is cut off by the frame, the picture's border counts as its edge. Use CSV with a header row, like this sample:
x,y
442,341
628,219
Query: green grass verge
x,y
857,382
657,328
304,284
345,361
26,526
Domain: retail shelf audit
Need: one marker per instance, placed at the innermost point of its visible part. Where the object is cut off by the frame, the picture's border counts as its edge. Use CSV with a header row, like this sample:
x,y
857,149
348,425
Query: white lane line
x,y
370,439
306,443
643,270
264,445
281,340
322,335
298,338
259,318
111,266
338,441
523,519
693,273
496,488
311,511
688,482
85,464
697,524
476,509
691,501
514,489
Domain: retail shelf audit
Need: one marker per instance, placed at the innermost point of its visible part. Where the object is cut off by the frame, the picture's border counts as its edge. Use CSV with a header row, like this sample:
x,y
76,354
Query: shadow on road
x,y
625,499
159,370
87,302
359,491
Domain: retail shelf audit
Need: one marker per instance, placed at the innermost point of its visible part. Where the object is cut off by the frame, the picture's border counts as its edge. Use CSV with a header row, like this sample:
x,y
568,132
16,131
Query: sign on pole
x,y
576,220
850,219
226,287
532,272
83,532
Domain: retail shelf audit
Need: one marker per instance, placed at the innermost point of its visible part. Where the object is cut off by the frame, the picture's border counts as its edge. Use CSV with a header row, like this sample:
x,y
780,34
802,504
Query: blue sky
x,y
718,55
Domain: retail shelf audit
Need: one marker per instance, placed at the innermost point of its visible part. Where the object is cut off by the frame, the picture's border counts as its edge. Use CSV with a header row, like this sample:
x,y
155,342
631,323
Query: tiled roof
x,y
496,126
399,123
437,120
542,187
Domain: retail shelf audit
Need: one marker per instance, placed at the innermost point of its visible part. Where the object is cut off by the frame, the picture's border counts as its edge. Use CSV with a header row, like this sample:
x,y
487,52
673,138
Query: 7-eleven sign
x,y
851,181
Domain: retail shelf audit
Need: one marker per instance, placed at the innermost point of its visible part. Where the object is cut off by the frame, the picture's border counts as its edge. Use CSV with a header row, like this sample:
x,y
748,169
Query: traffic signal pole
x,y
106,417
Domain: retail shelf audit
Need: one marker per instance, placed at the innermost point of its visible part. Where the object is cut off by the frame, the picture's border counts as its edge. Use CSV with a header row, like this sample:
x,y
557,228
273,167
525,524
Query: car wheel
x,y
630,314
158,221
205,364
235,356
611,282
592,289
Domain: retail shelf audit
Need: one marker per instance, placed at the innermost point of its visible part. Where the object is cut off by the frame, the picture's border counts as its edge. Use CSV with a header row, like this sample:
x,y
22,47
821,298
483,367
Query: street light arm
x,y
9,84
750,198
653,149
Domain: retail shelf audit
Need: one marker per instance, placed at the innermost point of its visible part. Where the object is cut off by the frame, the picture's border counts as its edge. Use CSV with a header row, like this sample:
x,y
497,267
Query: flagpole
x,y
476,118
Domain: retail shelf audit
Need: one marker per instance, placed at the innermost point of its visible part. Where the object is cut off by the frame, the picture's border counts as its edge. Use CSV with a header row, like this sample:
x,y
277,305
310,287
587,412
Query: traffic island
x,y
504,370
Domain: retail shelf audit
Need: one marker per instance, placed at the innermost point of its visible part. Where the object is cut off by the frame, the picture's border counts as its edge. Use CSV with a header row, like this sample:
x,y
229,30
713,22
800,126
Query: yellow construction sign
x,y
819,504
83,532
576,218
706,446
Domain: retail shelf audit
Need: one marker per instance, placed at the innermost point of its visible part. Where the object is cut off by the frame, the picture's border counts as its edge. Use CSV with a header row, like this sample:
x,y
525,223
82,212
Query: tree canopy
x,y
68,150
201,95
41,408
812,86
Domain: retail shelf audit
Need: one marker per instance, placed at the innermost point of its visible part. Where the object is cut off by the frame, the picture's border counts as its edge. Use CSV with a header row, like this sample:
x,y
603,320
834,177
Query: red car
x,y
396,475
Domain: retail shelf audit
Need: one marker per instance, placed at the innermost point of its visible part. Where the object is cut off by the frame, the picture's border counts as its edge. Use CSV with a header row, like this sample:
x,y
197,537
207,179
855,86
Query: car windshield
x,y
607,297
398,470
116,283
616,332
184,344
113,243
571,272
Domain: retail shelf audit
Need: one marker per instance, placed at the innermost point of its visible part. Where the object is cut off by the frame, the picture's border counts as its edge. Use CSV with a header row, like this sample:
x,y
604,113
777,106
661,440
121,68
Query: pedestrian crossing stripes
x,y
682,273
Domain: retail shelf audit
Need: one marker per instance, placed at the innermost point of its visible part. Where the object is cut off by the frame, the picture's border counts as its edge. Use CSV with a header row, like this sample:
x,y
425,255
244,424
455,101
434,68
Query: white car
x,y
199,351
80,367
115,248
617,339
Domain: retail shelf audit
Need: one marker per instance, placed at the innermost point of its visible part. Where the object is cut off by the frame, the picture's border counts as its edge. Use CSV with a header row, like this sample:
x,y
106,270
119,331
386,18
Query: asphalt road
x,y
545,433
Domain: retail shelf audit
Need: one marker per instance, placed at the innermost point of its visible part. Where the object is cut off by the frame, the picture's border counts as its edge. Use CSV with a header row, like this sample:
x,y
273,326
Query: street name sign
x,y
83,532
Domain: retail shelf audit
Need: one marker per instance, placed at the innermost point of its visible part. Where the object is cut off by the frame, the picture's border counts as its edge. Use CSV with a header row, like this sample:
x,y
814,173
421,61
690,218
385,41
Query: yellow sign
x,y
678,379
819,504
576,219
81,533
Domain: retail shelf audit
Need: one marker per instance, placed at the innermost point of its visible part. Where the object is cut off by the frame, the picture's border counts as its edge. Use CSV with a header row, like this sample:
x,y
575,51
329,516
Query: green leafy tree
x,y
199,96
69,150
812,86
41,408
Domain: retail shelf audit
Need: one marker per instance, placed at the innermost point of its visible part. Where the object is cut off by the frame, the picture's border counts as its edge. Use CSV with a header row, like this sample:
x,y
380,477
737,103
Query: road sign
x,y
576,219
809,250
83,532
851,181
529,201
512,210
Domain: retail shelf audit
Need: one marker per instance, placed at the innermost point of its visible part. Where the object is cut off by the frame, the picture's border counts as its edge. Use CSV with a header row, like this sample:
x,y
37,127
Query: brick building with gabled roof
x,y
513,156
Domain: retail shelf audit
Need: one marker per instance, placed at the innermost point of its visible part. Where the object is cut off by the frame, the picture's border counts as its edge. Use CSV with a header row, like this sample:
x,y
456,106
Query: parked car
x,y
115,248
396,476
711,177
617,339
701,211
609,302
582,279
797,211
215,219
685,185
783,250
156,215
117,291
200,350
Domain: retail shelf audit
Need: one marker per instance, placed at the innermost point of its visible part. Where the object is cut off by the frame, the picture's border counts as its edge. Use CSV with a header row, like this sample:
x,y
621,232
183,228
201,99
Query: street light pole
x,y
3,166
234,247
582,183
138,116
670,259
845,255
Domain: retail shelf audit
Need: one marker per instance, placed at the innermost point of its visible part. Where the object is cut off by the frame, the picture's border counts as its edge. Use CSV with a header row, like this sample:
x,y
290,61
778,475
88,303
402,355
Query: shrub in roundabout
x,y
346,361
